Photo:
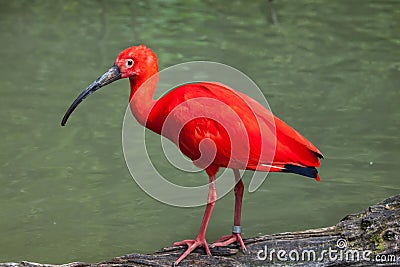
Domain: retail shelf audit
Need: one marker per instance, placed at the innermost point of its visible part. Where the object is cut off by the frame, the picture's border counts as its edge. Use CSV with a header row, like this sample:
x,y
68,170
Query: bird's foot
x,y
191,245
229,239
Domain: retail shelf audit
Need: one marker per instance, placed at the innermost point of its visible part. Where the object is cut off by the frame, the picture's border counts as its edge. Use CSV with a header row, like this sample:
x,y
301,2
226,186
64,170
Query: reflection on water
x,y
330,70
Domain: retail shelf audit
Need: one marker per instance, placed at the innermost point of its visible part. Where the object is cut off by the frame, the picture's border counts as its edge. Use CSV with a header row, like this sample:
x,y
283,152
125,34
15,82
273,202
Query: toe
x,y
206,248
186,242
225,243
222,238
240,240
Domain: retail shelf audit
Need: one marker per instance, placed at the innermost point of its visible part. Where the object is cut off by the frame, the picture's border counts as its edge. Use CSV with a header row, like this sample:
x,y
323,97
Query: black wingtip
x,y
305,171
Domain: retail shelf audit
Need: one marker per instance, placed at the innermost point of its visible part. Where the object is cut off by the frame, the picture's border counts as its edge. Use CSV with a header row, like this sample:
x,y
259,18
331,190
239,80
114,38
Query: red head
x,y
138,63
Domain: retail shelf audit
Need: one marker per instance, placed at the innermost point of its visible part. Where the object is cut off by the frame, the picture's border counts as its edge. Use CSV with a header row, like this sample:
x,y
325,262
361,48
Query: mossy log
x,y
369,238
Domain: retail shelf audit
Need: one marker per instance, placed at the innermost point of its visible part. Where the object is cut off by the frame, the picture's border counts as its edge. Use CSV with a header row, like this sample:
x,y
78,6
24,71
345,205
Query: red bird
x,y
200,128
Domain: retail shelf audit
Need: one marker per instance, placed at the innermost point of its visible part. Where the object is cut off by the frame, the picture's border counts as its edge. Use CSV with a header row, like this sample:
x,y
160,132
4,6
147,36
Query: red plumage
x,y
205,119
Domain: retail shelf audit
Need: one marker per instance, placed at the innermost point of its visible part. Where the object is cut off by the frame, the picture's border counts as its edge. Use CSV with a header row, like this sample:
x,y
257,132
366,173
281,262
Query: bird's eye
x,y
129,63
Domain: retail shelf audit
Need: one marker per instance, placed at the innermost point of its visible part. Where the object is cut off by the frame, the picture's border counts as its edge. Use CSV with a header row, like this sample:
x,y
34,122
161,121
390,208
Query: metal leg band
x,y
236,229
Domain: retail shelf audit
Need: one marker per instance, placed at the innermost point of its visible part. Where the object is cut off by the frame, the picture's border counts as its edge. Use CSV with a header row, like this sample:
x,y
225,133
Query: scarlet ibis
x,y
293,152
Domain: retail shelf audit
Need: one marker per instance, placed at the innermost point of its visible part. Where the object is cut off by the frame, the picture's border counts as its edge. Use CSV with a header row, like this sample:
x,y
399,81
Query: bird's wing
x,y
291,146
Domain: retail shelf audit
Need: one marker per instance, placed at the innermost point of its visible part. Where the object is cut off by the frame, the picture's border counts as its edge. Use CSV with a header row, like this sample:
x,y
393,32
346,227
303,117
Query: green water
x,y
331,69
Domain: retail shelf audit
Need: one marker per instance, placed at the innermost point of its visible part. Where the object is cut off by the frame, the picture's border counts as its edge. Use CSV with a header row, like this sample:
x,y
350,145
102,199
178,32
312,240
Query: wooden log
x,y
368,238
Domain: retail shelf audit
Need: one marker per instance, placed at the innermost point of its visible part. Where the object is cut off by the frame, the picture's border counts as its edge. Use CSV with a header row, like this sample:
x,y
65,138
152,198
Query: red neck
x,y
141,98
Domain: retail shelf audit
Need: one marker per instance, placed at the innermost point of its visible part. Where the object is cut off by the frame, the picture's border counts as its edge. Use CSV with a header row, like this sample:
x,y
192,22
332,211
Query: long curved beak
x,y
110,76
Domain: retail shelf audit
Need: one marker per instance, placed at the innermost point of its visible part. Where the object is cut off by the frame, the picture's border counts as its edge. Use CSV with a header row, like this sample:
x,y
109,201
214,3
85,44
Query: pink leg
x,y
236,235
200,240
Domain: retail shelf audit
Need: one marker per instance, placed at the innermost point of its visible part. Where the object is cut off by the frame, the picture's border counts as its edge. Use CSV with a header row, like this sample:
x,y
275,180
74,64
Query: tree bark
x,y
367,238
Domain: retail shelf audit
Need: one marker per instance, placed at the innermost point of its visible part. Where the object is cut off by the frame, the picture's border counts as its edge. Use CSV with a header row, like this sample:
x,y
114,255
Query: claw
x,y
191,245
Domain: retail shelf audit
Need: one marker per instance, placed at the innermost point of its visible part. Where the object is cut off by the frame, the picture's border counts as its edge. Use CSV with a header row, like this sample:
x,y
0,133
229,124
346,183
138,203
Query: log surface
x,y
368,238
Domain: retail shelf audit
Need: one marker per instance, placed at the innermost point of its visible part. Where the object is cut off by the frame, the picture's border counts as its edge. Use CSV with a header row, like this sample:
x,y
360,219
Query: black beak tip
x,y
65,118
